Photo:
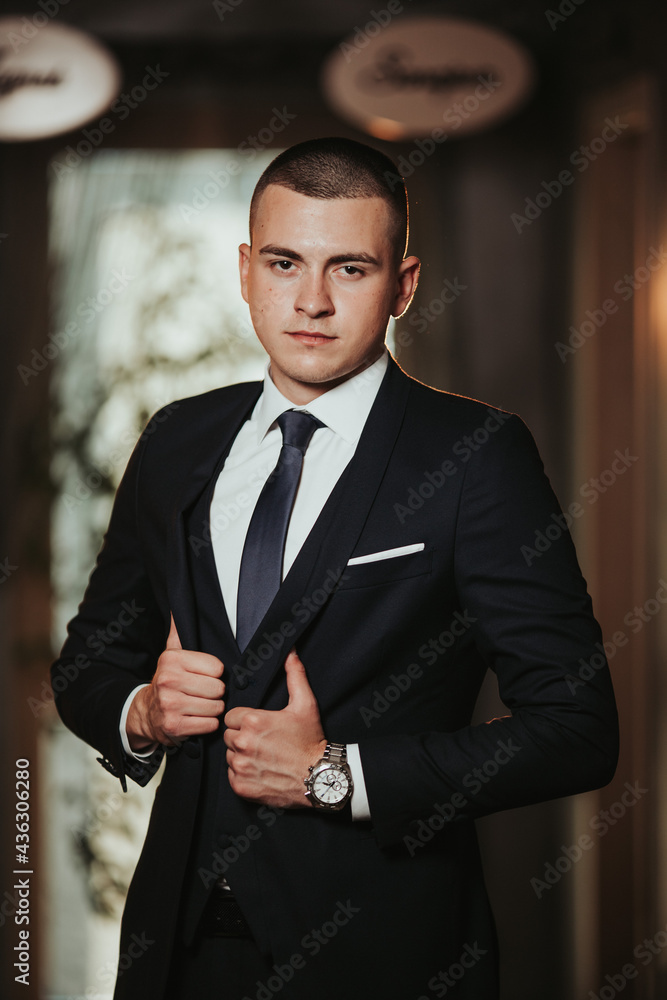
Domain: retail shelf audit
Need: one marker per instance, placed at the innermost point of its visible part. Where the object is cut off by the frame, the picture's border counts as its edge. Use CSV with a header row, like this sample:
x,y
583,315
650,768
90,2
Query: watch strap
x,y
336,753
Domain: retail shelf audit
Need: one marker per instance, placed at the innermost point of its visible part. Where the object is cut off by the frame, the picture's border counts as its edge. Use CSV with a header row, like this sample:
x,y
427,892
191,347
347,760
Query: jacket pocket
x,y
386,571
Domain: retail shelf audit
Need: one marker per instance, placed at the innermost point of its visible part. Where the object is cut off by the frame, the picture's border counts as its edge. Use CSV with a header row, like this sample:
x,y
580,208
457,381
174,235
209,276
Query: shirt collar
x,y
344,409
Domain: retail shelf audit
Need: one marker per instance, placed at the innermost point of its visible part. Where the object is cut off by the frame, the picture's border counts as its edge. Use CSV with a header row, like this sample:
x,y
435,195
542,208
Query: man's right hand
x,y
184,698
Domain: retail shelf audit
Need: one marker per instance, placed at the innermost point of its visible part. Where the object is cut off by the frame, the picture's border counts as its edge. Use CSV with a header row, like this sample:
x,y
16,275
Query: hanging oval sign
x,y
53,78
401,78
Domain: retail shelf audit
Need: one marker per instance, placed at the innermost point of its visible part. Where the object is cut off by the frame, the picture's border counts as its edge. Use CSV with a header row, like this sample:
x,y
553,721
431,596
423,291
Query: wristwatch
x,y
329,783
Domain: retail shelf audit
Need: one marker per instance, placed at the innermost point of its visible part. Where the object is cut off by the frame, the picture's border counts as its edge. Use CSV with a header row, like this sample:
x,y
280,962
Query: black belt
x,y
222,916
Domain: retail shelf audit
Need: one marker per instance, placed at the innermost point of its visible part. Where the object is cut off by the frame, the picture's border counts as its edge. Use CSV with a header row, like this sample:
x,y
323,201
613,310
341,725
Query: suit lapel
x,y
324,555
201,473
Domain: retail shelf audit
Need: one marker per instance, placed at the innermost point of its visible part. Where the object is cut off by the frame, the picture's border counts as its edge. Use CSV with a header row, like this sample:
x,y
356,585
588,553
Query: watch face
x,y
331,785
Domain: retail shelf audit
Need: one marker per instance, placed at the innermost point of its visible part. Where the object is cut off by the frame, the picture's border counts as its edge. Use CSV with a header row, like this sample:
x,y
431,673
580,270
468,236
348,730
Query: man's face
x,y
321,282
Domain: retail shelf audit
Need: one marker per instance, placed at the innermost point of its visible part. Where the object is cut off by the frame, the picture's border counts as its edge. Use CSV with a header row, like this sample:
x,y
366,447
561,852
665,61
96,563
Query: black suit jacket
x,y
395,652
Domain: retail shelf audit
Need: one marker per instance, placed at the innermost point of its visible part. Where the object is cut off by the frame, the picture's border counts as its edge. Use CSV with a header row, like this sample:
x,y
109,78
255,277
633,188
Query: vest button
x,y
192,748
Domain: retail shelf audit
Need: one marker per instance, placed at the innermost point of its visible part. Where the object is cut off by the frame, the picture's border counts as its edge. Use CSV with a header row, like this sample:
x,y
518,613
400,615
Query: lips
x,y
308,337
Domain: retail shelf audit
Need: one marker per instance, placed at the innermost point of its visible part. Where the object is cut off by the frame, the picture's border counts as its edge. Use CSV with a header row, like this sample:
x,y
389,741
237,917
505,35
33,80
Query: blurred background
x,y
543,233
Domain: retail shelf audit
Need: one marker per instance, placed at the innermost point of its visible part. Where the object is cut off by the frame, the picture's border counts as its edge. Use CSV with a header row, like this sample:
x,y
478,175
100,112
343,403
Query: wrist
x,y
139,733
329,784
318,752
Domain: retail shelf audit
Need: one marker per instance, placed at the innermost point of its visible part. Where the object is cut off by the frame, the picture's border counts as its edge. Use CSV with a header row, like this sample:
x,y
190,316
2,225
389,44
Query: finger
x,y
200,664
230,736
171,712
173,642
234,718
191,661
199,709
191,719
300,693
197,685
190,726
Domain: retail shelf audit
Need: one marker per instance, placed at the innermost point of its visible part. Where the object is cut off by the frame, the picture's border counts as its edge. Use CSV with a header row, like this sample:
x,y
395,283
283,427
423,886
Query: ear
x,y
244,264
408,275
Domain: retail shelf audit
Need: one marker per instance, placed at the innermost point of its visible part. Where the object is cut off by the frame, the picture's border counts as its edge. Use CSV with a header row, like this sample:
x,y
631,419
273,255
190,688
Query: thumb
x,y
173,642
301,697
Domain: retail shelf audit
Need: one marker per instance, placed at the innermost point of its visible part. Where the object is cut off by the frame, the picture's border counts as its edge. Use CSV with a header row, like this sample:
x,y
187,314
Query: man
x,y
360,657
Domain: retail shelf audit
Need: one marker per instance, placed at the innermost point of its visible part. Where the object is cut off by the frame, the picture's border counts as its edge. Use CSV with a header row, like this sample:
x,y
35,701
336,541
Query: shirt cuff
x,y
138,755
359,801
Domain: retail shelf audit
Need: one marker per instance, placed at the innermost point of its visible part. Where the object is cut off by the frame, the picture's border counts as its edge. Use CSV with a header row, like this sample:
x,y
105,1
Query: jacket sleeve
x,y
114,641
516,572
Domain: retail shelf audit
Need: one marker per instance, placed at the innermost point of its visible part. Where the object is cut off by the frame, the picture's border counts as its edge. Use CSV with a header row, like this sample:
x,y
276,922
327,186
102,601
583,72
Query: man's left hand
x,y
269,753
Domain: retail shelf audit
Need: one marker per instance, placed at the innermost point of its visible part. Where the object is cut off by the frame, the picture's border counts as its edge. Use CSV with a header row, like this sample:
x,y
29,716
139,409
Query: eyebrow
x,y
359,256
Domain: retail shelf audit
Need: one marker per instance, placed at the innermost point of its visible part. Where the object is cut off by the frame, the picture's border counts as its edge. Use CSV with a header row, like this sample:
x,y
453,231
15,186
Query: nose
x,y
313,298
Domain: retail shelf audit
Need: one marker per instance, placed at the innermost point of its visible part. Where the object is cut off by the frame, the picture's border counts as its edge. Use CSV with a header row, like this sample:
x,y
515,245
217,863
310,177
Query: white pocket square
x,y
403,550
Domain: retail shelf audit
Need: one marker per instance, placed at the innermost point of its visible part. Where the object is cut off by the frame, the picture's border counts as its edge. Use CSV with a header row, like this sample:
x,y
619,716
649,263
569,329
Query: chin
x,y
313,377
312,373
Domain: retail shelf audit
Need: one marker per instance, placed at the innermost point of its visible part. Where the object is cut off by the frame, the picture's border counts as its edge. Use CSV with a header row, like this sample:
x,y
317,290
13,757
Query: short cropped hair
x,y
333,167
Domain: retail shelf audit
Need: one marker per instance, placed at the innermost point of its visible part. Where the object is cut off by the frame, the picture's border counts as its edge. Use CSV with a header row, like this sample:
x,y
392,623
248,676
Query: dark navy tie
x,y
260,574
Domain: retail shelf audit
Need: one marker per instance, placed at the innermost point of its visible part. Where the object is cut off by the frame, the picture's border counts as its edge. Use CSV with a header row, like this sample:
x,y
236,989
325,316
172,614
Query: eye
x,y
350,270
282,265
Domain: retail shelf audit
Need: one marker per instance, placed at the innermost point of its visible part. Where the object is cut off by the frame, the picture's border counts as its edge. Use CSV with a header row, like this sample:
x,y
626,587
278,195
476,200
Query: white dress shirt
x,y
252,457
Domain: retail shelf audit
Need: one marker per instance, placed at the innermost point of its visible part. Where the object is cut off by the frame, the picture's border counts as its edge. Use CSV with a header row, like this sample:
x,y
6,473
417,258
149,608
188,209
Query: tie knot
x,y
298,428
